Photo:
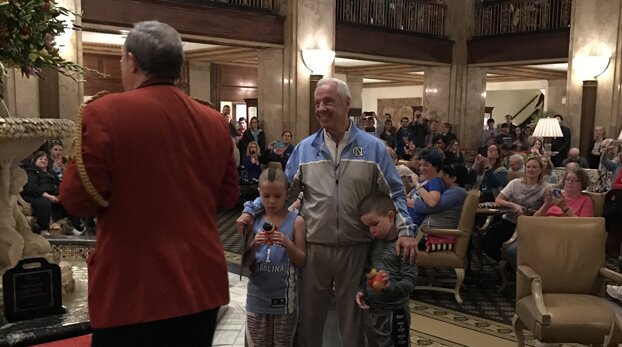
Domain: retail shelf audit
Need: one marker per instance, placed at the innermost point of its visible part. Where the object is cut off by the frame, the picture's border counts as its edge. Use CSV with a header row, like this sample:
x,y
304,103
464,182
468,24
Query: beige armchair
x,y
457,257
561,266
615,334
598,203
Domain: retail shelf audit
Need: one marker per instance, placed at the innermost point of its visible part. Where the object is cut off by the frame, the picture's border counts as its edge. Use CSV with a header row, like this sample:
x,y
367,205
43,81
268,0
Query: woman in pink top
x,y
570,202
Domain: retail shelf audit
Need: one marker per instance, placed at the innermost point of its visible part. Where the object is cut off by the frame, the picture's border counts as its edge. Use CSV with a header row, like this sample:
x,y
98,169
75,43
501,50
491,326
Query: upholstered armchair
x,y
455,258
598,203
561,267
615,334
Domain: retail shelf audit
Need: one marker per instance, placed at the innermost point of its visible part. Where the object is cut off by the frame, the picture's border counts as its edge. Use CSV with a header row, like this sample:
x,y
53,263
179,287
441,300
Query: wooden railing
x,y
520,16
407,15
263,5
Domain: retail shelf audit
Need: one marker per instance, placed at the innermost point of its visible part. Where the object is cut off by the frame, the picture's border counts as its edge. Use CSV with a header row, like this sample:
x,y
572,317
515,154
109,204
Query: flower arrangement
x,y
27,32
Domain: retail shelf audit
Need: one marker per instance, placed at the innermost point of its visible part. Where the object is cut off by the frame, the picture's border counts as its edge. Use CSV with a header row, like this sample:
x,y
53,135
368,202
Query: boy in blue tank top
x,y
279,248
384,293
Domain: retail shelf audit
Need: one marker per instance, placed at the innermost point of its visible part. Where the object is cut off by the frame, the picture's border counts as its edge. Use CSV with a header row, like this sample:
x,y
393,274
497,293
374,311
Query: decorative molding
x,y
101,48
19,128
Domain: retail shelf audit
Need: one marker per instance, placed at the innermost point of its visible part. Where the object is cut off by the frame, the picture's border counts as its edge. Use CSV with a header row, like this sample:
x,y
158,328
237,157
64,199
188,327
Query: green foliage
x,y
27,32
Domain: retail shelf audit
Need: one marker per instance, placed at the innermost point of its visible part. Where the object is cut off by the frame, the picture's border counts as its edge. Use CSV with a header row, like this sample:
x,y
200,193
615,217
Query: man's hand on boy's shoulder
x,y
407,247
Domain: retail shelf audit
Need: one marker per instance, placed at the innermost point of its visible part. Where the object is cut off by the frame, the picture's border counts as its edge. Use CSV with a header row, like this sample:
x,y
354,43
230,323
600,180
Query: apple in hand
x,y
378,280
373,272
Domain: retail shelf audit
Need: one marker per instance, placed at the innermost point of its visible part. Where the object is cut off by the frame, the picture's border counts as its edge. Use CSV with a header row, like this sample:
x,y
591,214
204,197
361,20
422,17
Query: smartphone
x,y
279,144
557,193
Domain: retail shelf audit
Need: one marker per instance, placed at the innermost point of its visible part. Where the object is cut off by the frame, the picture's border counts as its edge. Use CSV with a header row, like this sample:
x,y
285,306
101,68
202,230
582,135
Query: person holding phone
x,y
523,196
250,162
567,201
278,151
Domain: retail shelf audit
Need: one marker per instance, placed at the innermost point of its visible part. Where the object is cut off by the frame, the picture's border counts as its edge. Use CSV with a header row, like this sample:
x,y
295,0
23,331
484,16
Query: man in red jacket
x,y
164,164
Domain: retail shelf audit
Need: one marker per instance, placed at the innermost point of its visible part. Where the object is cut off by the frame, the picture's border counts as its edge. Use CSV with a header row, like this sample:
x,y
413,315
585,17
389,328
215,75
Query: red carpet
x,y
80,341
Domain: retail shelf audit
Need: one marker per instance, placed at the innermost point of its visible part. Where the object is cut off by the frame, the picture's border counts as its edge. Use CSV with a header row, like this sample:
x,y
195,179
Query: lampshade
x,y
620,136
590,67
548,127
318,60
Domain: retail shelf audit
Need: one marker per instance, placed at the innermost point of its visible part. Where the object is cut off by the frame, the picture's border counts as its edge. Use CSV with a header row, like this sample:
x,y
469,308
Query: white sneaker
x,y
615,292
77,232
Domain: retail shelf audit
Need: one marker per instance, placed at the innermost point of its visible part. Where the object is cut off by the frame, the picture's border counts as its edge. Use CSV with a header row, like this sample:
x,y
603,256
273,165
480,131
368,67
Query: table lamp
x,y
547,128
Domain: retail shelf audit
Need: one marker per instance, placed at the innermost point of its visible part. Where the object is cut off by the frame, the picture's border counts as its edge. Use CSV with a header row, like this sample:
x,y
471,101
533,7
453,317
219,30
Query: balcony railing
x,y
251,5
521,16
407,15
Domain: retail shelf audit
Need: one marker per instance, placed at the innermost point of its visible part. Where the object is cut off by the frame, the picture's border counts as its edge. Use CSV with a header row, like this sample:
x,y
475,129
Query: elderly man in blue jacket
x,y
336,168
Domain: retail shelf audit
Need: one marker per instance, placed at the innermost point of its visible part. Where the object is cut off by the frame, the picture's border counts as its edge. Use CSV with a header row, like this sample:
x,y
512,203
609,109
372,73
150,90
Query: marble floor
x,y
430,326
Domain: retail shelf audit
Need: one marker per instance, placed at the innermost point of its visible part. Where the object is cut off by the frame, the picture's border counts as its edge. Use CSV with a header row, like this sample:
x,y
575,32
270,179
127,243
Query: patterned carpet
x,y
229,237
479,293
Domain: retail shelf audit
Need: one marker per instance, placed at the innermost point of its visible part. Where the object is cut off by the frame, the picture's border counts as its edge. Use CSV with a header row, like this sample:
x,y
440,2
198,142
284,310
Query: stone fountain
x,y
19,138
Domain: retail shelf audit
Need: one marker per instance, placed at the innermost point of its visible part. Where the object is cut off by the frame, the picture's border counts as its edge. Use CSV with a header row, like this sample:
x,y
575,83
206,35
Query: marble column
x,y
270,87
456,93
555,95
199,80
355,82
309,24
21,95
589,36
70,91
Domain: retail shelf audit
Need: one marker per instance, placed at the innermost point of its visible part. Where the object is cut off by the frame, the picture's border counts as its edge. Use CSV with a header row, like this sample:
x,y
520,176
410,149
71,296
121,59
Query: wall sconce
x,y
546,129
318,60
590,67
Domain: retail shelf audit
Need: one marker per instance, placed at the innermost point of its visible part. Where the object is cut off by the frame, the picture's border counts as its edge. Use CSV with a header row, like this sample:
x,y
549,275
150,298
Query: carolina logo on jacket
x,y
358,151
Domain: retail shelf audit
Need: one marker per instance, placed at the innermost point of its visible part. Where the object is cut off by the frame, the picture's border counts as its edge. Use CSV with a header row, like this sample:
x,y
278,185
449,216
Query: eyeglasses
x,y
572,180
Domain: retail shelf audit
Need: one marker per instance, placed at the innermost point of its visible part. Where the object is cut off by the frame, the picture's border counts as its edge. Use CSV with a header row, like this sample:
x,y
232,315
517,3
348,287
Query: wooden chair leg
x,y
459,280
615,334
517,324
502,267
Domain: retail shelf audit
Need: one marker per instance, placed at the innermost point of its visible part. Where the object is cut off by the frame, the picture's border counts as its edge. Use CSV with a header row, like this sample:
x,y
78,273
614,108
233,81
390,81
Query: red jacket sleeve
x,y
96,149
229,191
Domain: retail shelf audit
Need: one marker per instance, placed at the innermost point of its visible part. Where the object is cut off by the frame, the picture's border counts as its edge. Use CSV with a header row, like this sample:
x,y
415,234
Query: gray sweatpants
x,y
344,266
383,330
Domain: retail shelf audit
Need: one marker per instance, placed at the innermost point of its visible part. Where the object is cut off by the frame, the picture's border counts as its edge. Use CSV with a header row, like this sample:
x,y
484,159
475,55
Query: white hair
x,y
342,87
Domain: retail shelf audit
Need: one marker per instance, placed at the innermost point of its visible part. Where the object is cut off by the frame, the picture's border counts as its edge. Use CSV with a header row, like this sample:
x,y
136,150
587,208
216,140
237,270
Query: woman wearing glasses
x,y
565,202
569,201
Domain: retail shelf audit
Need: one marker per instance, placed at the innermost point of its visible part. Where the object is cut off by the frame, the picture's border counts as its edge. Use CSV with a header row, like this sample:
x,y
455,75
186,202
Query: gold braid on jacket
x,y
84,177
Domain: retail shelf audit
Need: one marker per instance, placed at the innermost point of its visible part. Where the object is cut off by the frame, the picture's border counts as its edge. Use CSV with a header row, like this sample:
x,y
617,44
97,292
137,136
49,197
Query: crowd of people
x,y
360,193
45,169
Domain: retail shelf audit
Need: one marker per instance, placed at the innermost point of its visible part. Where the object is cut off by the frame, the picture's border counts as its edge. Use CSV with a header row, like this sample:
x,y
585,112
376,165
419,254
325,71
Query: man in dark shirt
x,y
419,129
403,136
561,145
504,137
